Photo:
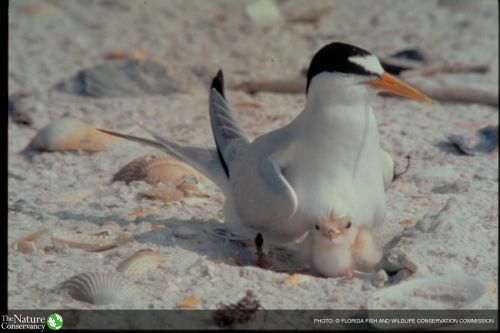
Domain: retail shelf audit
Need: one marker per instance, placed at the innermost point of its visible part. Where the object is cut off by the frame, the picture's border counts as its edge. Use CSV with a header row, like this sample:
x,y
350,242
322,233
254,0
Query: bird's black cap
x,y
334,57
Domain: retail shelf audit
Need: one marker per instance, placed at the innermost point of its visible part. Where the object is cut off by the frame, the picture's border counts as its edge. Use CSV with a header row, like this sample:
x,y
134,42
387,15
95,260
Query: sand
x,y
50,41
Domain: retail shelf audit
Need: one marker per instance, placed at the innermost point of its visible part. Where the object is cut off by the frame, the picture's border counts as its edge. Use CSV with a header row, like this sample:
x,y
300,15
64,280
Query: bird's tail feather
x,y
203,160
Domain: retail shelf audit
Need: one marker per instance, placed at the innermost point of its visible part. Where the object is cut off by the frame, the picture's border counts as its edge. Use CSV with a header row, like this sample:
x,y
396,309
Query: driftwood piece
x,y
282,86
449,93
313,15
458,94
445,68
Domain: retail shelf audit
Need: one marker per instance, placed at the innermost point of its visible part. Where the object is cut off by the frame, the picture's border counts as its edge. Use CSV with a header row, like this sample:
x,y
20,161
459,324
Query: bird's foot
x,y
349,274
396,175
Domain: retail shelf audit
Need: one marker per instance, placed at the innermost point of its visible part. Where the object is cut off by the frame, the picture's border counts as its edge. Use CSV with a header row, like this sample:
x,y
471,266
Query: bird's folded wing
x,y
265,198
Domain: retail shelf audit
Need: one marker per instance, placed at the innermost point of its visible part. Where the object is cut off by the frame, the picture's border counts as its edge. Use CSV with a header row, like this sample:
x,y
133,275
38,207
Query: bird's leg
x,y
349,274
260,254
397,175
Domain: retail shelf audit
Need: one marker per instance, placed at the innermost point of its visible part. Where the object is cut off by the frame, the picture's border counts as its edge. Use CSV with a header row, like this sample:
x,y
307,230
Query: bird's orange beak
x,y
394,86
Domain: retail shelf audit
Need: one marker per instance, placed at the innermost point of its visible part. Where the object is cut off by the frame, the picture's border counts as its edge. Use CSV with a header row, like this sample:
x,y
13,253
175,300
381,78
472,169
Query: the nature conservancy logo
x,y
22,322
54,321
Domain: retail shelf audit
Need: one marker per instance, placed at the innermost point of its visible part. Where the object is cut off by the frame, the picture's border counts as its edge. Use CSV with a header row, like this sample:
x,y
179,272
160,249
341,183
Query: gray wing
x,y
262,195
228,135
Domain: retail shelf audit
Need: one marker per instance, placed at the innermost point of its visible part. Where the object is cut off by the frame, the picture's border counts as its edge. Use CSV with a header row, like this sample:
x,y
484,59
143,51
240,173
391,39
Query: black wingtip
x,y
218,83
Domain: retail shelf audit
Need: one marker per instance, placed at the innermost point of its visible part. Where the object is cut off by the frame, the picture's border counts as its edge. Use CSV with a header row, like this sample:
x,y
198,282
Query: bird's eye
x,y
348,225
317,227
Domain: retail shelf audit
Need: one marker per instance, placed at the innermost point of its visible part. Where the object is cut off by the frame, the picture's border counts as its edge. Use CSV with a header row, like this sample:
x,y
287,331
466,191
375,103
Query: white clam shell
x,y
440,292
70,134
100,288
140,262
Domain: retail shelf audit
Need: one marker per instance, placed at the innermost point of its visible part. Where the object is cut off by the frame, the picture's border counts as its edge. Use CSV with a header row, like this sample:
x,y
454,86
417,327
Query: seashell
x,y
140,262
88,242
441,292
184,232
100,288
134,54
140,211
190,190
70,134
27,244
163,193
190,302
157,226
67,197
295,279
154,169
251,104
111,226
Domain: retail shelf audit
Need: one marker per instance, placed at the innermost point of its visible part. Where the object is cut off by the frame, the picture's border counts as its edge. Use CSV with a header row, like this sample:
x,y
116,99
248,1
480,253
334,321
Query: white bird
x,y
327,163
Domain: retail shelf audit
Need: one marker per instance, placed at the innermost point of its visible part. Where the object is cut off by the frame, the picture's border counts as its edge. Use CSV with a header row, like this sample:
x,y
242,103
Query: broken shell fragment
x,y
190,190
154,169
295,279
98,242
70,134
163,193
28,244
440,292
99,288
190,302
67,197
25,246
140,262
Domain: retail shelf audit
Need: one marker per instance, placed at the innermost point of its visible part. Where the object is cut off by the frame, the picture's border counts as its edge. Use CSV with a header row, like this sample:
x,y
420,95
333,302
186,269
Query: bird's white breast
x,y
336,168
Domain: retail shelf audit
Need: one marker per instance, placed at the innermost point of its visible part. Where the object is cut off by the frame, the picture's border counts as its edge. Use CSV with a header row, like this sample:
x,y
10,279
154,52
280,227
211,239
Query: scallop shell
x,y
27,244
70,134
154,169
98,242
441,292
100,288
140,262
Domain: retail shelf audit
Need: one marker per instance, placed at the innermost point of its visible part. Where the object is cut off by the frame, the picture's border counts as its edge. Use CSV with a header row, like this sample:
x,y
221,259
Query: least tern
x,y
327,163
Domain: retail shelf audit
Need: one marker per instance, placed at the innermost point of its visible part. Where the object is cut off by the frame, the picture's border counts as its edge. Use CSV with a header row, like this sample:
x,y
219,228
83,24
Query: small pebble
x,y
455,187
367,286
437,172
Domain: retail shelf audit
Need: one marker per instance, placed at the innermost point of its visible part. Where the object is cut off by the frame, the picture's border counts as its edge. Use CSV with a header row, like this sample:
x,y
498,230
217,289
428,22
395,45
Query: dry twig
x,y
444,68
449,93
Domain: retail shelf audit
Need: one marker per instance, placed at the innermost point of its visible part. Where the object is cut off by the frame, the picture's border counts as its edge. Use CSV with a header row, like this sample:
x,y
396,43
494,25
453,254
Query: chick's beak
x,y
392,85
331,234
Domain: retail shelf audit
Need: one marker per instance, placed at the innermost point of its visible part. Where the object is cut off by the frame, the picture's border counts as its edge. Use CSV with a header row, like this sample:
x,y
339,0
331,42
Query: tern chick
x,y
338,246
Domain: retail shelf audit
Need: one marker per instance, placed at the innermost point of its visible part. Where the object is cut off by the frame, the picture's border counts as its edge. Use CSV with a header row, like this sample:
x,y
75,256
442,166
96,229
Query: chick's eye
x,y
348,225
317,227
